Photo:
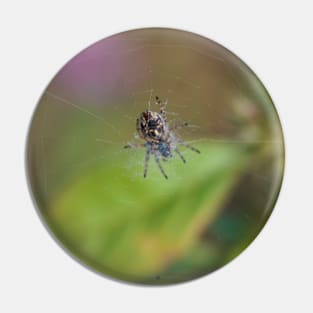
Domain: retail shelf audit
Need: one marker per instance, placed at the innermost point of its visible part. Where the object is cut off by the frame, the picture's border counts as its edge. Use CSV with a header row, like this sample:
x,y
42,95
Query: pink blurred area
x,y
105,70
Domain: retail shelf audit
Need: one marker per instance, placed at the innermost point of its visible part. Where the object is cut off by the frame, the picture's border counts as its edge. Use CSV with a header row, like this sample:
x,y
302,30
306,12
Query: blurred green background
x,y
91,192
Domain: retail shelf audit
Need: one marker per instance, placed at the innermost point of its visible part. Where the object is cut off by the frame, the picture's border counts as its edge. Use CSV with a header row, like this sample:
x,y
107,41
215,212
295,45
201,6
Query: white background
x,y
274,38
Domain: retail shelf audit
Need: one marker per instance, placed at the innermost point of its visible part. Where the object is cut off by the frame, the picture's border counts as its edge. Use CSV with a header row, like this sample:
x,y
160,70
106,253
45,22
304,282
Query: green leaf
x,y
134,227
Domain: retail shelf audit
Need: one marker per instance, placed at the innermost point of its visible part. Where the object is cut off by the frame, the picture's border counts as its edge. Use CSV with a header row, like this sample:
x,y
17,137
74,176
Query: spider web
x,y
179,91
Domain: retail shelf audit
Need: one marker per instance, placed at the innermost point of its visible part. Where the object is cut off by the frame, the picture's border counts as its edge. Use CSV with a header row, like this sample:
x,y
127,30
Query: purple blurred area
x,y
100,72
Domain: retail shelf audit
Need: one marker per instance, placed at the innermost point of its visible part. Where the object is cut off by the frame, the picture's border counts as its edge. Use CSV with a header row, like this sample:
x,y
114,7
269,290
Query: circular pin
x,y
155,156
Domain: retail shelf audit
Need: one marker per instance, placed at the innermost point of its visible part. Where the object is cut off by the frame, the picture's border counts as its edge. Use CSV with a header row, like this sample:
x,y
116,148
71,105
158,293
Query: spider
x,y
159,137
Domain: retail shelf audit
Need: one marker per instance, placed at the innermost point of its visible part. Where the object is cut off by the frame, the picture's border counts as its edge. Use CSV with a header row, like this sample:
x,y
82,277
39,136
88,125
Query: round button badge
x,y
155,156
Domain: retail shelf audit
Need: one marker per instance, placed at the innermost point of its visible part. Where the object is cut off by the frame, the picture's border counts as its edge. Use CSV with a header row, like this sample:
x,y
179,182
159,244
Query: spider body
x,y
160,140
151,126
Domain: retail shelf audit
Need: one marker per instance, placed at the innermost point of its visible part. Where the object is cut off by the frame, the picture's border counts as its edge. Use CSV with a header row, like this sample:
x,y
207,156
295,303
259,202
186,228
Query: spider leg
x,y
180,155
148,152
187,145
158,162
162,106
179,126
